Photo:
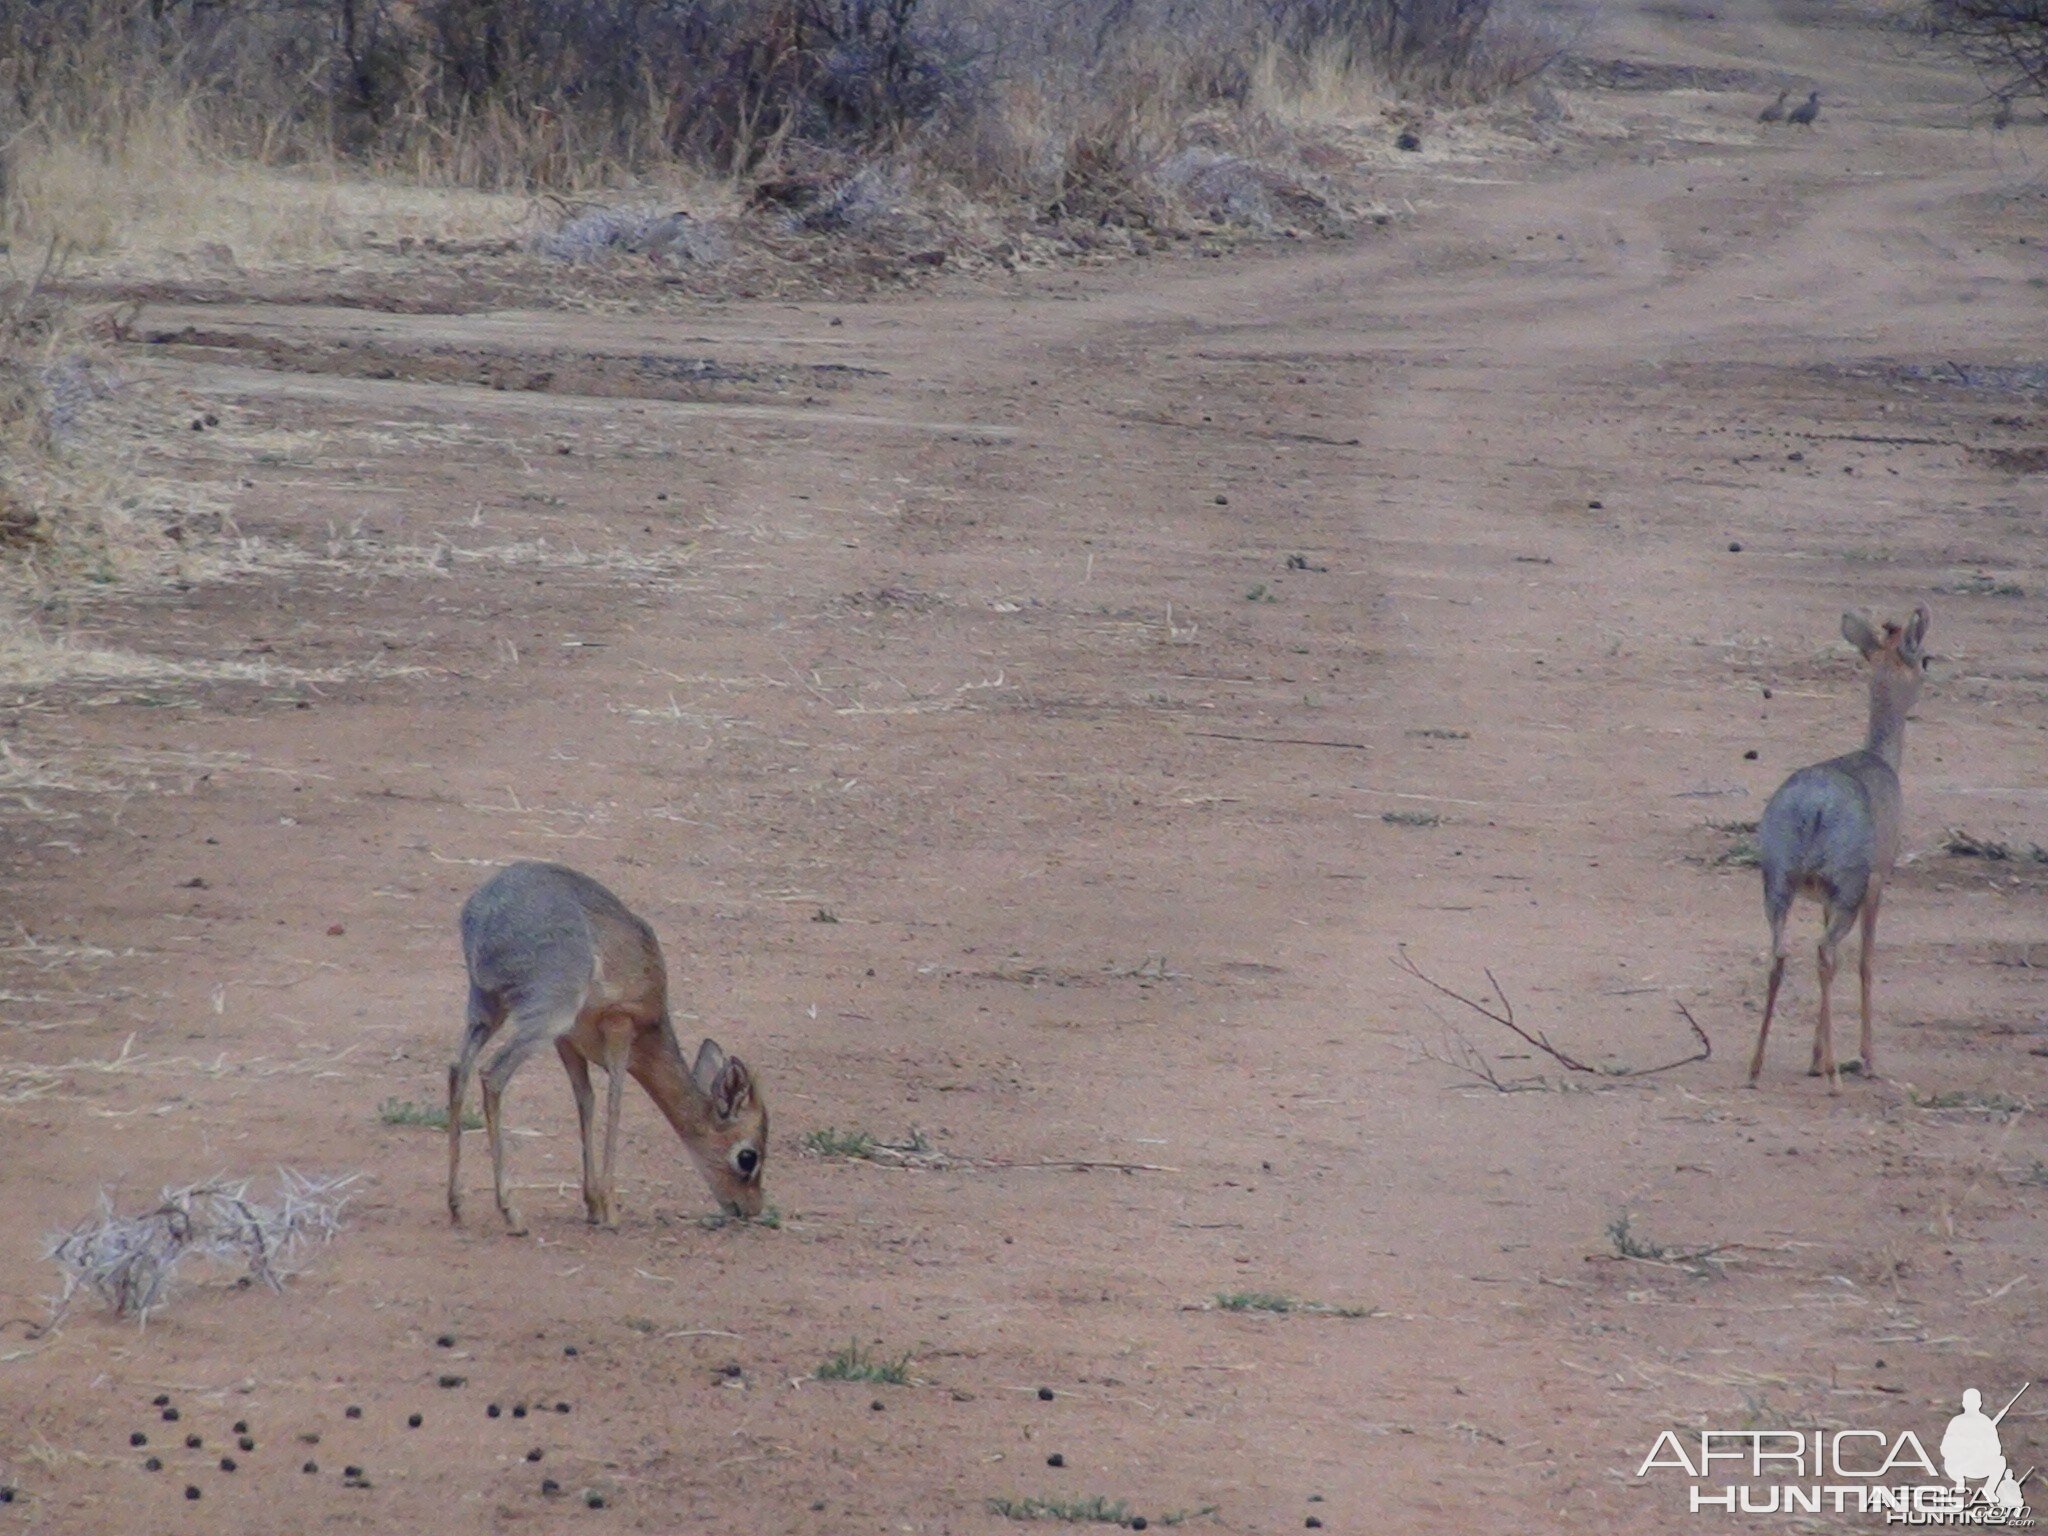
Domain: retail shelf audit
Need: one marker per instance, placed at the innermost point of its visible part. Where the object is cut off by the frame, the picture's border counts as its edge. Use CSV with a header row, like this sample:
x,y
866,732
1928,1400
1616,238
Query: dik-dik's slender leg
x,y
586,1120
1840,920
618,1050
484,1018
1775,910
530,1031
1866,972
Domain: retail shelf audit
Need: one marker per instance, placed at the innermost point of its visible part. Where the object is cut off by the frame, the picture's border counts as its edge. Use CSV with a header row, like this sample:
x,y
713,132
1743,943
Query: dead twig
x,y
1505,1017
1461,1055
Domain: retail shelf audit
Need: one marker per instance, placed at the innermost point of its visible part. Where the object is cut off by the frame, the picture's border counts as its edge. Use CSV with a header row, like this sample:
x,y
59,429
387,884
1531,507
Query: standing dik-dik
x,y
560,960
1832,831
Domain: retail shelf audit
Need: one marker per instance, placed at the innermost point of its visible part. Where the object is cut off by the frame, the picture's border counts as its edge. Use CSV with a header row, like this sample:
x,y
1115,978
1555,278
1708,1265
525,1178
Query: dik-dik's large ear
x,y
1857,630
733,1093
710,1062
1912,642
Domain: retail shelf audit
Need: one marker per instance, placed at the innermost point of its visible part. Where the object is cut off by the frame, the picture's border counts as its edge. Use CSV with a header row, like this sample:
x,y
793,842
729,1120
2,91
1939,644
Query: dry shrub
x,y
132,1263
49,377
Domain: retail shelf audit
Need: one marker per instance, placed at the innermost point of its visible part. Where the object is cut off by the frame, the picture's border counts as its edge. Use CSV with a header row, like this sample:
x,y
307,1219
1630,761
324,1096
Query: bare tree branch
x,y
1505,1017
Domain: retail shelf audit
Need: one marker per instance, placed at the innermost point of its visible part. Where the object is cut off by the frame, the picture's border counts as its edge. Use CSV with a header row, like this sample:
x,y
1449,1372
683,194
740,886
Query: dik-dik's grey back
x,y
527,933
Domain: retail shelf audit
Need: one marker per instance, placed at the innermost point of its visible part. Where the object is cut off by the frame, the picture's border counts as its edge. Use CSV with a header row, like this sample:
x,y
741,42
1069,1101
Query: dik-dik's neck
x,y
658,1067
1887,735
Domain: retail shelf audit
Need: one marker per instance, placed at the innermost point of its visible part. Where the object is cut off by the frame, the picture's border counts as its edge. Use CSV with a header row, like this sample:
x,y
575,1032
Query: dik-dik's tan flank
x,y
559,959
1832,831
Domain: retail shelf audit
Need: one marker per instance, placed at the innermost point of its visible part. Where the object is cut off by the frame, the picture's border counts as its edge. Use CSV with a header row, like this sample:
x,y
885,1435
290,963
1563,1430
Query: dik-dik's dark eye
x,y
747,1160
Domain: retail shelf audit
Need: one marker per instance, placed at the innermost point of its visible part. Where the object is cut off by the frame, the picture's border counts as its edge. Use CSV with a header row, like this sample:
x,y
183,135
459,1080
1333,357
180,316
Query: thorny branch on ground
x,y
1505,1017
131,1262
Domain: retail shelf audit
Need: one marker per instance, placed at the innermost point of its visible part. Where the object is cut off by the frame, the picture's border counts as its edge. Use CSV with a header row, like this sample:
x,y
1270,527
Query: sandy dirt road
x,y
1036,717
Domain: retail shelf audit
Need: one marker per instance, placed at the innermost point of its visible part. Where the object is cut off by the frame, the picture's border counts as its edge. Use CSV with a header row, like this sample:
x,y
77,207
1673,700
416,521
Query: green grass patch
x,y
431,1116
1098,1510
1279,1305
1990,1101
833,1142
1982,585
855,1364
1741,854
1965,846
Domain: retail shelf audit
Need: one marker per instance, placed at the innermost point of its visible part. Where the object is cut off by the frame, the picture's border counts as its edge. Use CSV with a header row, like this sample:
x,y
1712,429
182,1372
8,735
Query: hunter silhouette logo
x,y
1971,1451
1854,1471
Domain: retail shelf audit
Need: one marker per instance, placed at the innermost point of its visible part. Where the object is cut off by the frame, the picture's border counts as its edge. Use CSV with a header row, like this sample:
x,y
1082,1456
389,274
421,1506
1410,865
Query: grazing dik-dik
x,y
555,958
1832,831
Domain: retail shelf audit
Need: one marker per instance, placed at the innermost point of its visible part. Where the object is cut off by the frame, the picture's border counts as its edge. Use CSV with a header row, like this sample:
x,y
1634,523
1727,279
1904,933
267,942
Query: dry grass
x,y
158,187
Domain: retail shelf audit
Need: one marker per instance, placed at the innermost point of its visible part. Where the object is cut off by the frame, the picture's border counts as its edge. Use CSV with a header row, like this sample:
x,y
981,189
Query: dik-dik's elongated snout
x,y
734,1154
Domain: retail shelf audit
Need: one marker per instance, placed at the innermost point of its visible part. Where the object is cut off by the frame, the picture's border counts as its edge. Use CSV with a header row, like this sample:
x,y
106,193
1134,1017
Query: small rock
x,y
138,1438
335,930
593,1499
534,1454
154,1464
352,1411
1138,1522
569,1350
310,1468
877,1405
1409,140
1596,506
413,1421
493,1411
1735,546
1045,1394
246,1443
446,1341
1795,458
549,1486
161,1400
193,1442
1750,755
170,1415
1055,1460
241,1426
519,1410
227,1463
1313,1523
310,1437
452,1381
561,1407
191,1490
351,1471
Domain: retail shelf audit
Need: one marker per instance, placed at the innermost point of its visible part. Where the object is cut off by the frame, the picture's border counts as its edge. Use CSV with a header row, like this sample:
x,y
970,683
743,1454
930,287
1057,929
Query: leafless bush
x,y
48,379
2007,39
645,229
131,1263
570,95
